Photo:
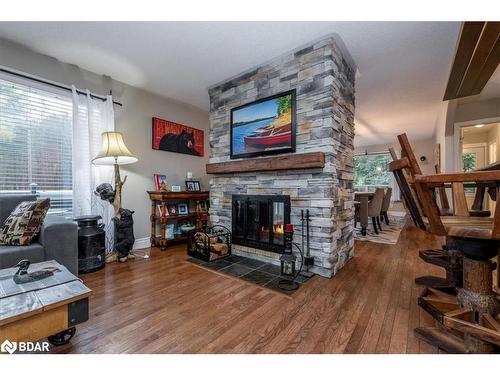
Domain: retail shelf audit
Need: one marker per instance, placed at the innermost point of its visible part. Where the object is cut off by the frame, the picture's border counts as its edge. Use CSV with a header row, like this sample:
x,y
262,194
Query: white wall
x,y
467,110
133,119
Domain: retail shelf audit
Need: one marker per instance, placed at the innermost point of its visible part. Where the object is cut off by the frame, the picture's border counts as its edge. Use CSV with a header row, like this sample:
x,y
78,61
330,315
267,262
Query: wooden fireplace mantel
x,y
274,163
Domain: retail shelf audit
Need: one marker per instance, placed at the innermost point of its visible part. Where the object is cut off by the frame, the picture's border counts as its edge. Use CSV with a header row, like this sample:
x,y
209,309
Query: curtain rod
x,y
53,84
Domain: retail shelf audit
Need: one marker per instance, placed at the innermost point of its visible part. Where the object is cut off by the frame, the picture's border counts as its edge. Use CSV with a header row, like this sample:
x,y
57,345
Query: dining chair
x,y
374,207
385,205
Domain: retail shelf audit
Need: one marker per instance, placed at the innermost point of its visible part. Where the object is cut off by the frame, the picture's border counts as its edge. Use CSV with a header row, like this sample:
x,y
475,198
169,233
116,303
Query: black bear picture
x,y
183,143
174,137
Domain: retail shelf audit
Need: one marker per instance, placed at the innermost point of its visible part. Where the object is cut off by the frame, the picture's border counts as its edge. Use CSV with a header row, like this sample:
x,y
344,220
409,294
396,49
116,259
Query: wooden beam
x,y
486,44
476,59
295,161
469,36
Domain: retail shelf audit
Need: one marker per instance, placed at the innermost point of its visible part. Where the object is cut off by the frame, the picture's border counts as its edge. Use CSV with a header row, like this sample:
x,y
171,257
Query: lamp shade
x,y
114,151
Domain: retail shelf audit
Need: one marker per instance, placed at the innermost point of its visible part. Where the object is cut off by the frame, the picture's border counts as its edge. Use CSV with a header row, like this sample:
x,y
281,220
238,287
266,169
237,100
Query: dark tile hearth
x,y
271,268
252,263
236,270
248,269
217,265
258,277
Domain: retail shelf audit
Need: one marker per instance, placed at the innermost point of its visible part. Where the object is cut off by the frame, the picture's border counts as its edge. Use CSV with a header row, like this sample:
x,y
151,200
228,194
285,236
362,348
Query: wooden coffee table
x,y
48,308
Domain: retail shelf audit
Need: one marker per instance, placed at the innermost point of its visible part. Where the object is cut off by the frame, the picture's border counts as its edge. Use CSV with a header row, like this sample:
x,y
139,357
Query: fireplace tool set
x,y
308,259
288,259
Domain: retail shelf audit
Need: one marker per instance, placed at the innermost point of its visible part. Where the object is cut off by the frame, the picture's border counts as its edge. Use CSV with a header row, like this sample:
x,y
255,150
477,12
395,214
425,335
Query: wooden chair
x,y
476,311
449,260
374,207
470,315
398,168
386,203
459,204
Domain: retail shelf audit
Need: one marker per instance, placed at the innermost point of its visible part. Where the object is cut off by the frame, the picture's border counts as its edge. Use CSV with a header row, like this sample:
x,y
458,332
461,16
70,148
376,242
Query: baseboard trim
x,y
141,243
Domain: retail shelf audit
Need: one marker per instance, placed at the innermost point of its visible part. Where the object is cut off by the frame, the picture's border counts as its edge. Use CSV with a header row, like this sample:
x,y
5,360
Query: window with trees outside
x,y
36,142
372,171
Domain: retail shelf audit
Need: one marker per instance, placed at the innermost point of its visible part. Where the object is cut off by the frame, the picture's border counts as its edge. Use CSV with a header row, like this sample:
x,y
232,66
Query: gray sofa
x,y
58,239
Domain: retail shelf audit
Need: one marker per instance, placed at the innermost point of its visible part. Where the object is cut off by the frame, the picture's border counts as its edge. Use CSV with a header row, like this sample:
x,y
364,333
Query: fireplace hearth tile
x,y
301,279
234,258
260,273
218,264
252,263
258,277
236,270
271,268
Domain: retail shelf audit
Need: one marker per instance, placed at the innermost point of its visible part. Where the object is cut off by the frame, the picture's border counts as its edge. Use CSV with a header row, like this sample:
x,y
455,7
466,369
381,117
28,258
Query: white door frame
x,y
457,150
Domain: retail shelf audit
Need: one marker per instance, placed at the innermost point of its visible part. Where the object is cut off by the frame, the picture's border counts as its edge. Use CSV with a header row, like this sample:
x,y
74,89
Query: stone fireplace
x,y
322,73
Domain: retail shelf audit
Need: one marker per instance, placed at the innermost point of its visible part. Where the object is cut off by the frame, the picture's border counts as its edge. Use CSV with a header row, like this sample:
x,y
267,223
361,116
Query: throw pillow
x,y
24,223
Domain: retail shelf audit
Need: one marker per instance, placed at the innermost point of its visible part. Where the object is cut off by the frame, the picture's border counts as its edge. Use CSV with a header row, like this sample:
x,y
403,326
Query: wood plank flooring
x,y
167,305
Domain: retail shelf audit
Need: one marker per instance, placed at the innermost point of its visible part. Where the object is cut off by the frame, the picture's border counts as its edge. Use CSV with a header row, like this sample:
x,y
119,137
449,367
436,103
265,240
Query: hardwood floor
x,y
167,305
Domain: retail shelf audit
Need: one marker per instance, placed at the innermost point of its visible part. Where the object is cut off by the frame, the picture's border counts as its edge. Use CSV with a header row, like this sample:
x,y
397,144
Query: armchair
x,y
58,239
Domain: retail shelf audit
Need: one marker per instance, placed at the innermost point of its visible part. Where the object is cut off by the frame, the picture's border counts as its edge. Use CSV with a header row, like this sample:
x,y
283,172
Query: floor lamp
x,y
114,152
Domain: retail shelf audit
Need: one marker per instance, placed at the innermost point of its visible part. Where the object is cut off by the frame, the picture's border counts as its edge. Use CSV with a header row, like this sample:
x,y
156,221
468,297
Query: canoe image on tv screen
x,y
264,127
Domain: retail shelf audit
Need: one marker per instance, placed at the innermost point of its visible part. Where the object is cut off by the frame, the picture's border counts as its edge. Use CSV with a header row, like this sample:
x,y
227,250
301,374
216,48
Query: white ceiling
x,y
403,66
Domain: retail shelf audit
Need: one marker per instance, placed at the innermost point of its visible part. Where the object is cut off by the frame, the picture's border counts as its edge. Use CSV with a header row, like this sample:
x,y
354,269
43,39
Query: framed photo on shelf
x,y
172,209
160,182
176,188
170,231
183,209
193,186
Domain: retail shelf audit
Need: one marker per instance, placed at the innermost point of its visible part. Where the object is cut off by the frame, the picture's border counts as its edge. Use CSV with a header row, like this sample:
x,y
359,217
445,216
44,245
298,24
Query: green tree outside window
x,y
469,162
371,171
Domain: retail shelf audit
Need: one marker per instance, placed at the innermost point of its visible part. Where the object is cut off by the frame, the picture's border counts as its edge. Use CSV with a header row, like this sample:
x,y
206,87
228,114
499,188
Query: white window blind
x,y
36,142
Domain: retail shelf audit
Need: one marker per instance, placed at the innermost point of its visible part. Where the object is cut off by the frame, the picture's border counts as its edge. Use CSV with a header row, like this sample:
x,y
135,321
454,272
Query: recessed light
x,y
479,126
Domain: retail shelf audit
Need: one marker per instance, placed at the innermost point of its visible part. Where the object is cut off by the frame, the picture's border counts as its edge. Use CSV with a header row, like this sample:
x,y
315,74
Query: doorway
x,y
478,148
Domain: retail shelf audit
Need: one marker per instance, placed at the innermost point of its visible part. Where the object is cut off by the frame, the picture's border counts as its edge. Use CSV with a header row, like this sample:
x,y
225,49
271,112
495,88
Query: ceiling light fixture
x,y
479,126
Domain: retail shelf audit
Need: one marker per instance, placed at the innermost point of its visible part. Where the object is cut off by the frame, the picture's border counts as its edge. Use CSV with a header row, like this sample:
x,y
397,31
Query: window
x,y
372,171
36,142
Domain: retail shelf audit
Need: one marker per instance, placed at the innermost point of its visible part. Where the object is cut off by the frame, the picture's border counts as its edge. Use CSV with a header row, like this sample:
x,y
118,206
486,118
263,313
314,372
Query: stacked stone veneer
x,y
324,84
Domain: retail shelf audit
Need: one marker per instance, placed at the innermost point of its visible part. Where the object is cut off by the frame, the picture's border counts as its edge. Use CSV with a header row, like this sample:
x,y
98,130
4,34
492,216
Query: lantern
x,y
288,265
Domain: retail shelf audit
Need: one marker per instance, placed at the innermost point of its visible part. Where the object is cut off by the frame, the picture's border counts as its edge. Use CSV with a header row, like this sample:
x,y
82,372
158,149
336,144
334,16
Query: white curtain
x,y
91,117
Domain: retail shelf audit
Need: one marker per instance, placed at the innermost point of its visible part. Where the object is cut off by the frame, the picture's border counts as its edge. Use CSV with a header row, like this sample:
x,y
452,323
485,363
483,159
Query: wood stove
x,y
259,221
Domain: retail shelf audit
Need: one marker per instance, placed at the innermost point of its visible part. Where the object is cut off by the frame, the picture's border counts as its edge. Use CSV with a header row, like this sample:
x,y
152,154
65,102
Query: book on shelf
x,y
160,182
170,231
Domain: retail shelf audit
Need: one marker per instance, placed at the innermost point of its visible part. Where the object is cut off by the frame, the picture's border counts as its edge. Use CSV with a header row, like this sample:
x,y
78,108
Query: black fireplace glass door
x,y
264,221
239,219
252,221
258,221
278,223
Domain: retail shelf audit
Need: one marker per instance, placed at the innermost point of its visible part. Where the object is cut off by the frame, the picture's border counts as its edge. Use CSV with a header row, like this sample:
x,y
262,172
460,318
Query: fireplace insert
x,y
259,221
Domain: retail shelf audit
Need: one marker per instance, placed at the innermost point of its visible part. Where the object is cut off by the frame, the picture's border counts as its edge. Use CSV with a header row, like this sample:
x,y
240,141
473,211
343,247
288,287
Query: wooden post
x,y
498,275
478,295
153,223
117,202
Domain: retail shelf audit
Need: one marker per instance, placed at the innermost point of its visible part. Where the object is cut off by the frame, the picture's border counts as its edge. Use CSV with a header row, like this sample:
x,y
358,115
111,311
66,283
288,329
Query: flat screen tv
x,y
264,127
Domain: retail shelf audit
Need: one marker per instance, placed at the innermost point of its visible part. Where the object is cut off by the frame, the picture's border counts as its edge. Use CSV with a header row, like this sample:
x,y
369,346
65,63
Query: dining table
x,y
362,198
